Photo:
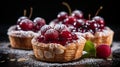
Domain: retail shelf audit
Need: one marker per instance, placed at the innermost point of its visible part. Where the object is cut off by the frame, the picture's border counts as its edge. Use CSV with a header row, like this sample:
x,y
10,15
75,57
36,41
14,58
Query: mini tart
x,y
53,52
20,39
103,37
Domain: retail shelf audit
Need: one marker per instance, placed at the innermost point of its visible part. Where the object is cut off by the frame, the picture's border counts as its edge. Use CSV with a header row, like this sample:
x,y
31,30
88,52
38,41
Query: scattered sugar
x,y
116,46
27,58
12,59
22,59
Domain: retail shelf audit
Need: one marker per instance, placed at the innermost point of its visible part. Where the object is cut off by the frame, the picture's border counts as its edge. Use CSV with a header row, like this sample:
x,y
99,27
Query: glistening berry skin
x,y
51,35
77,23
100,21
21,18
62,15
45,28
58,34
103,51
38,23
26,25
70,20
60,27
77,14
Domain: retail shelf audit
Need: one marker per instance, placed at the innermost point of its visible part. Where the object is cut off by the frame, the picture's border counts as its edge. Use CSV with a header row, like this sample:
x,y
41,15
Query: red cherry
x,y
40,38
38,22
92,25
26,25
72,28
70,20
60,27
45,28
74,36
21,18
103,51
66,35
82,30
100,21
77,14
62,15
79,23
51,35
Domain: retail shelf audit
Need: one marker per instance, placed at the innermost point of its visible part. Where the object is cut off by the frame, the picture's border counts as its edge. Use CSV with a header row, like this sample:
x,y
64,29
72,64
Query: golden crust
x,y
53,52
20,39
20,42
105,37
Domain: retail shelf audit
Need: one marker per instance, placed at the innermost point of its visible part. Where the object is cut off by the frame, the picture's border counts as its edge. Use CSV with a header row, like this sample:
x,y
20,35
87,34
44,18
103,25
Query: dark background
x,y
10,11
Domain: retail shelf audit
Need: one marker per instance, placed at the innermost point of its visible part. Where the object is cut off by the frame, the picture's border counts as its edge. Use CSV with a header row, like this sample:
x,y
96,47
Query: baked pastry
x,y
57,44
100,37
20,35
91,29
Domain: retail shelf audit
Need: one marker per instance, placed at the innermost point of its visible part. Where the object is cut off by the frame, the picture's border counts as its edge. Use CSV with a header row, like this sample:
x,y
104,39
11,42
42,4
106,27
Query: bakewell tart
x,y
93,29
20,35
57,44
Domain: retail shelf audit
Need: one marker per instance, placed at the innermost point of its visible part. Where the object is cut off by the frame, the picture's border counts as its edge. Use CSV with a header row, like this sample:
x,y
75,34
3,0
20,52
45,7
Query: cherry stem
x,y
98,10
67,5
25,12
31,11
89,16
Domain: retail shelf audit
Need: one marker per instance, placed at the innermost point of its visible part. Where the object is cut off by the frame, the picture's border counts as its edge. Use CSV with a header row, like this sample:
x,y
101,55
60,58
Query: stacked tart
x,y
21,34
57,44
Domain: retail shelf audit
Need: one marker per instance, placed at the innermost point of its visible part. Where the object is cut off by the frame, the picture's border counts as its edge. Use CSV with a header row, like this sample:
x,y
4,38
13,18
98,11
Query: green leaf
x,y
90,49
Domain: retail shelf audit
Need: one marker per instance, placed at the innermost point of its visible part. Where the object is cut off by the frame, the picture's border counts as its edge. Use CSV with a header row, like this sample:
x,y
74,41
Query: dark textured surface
x,y
11,58
12,10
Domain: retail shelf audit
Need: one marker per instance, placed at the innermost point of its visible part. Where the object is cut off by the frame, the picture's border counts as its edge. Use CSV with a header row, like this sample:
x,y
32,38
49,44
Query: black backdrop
x,y
10,11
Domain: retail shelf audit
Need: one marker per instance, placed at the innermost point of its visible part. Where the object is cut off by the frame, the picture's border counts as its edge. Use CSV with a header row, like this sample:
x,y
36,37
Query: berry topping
x,y
44,29
51,35
79,23
60,27
70,20
21,18
82,30
100,21
71,28
93,25
62,15
40,38
63,28
74,36
38,22
103,51
77,14
26,25
66,35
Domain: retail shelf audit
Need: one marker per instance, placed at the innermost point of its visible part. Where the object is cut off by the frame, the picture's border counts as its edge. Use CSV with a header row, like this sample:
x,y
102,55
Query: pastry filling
x,y
60,34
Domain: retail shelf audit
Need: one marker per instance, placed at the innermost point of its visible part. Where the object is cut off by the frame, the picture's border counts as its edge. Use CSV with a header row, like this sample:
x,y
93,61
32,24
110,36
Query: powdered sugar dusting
x,y
20,33
27,58
106,32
